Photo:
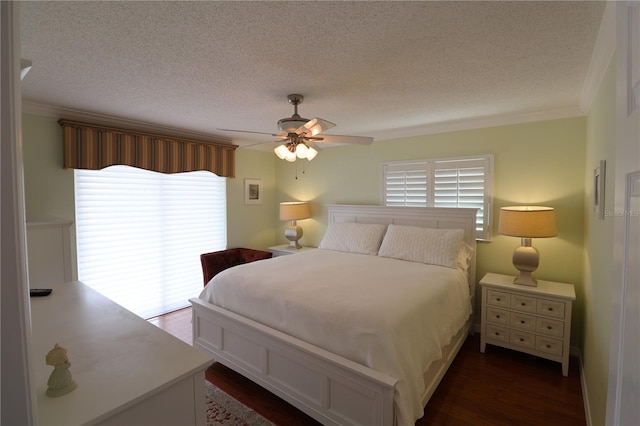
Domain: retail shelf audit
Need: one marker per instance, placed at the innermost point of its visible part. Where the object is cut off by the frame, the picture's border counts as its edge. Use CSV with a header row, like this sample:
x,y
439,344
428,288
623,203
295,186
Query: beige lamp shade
x,y
527,222
295,210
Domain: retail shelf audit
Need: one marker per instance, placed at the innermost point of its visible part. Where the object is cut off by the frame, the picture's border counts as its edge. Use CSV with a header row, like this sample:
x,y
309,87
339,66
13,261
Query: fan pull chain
x,y
303,171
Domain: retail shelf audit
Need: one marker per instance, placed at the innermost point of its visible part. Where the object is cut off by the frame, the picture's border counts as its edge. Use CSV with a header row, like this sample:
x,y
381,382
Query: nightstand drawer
x,y
550,346
497,316
550,327
497,298
495,332
519,338
551,308
523,303
522,321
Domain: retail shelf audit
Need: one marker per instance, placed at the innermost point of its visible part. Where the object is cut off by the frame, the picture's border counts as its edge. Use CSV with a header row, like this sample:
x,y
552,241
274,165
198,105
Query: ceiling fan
x,y
299,135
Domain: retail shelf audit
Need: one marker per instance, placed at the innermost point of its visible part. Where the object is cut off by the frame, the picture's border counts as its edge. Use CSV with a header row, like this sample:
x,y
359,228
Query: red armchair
x,y
217,261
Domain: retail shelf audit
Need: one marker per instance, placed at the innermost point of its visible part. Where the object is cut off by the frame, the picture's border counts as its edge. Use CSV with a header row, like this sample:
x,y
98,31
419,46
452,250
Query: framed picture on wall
x,y
598,190
253,191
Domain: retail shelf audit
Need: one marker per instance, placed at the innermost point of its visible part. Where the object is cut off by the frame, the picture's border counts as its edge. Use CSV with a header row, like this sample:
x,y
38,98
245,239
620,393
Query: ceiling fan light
x,y
281,151
301,150
311,153
290,156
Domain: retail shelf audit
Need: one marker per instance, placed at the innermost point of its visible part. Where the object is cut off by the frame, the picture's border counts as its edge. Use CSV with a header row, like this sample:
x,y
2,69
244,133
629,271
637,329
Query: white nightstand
x,y
284,249
535,320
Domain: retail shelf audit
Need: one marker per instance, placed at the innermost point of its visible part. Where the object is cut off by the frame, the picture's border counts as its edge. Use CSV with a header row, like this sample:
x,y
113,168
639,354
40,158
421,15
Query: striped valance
x,y
94,147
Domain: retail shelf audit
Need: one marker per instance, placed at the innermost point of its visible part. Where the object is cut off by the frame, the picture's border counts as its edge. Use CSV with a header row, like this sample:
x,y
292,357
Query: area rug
x,y
222,409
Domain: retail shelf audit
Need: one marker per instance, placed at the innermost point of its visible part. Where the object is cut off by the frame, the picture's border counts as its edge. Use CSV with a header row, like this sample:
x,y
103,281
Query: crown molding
x,y
480,122
601,58
110,121
428,129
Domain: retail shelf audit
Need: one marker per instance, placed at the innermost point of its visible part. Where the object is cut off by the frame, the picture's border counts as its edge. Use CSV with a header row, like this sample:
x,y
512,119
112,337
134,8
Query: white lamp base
x,y
526,259
293,233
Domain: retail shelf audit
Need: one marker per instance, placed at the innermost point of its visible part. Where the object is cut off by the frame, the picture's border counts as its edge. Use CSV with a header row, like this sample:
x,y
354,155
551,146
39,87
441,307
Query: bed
x,y
384,366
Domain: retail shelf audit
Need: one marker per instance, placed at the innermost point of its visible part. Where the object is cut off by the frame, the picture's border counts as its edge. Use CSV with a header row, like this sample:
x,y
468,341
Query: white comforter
x,y
390,315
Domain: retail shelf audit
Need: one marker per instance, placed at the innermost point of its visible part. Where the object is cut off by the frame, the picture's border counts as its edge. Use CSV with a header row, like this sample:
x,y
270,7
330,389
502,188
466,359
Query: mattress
x,y
391,315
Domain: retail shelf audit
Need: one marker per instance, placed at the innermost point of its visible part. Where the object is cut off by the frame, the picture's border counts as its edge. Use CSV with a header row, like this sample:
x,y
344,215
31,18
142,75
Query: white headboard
x,y
426,217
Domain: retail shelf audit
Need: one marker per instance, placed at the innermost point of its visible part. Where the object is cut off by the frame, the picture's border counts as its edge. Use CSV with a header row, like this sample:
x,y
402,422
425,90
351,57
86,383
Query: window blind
x,y
140,234
406,185
462,182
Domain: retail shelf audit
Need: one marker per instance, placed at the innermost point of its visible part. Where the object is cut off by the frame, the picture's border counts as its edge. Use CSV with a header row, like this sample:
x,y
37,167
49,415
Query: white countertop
x,y
117,358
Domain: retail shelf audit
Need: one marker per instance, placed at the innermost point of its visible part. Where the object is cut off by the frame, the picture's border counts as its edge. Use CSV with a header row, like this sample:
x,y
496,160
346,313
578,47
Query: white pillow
x,y
363,238
464,256
425,245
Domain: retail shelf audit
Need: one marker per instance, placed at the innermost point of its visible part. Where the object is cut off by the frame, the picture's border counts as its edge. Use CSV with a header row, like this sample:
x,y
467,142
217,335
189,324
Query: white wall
x,y
16,395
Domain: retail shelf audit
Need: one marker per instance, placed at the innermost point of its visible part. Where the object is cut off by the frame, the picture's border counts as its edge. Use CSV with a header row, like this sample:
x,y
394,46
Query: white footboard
x,y
327,387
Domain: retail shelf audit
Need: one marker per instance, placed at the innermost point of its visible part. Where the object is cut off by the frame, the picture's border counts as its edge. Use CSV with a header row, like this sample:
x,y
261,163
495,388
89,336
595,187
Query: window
x,y
446,182
140,234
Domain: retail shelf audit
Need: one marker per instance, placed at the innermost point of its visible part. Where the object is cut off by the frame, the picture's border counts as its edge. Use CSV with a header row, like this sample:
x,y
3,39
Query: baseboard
x,y
585,397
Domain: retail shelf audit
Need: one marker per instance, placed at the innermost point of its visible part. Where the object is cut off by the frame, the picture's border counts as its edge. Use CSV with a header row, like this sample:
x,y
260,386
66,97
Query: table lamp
x,y
527,222
293,211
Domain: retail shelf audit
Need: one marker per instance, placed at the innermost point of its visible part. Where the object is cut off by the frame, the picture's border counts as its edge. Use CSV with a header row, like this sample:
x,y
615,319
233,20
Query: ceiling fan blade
x,y
256,144
314,126
338,139
249,131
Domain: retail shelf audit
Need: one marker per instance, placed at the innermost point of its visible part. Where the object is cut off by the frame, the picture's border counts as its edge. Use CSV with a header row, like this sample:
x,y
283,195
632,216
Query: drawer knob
x,y
497,316
548,346
497,334
549,327
523,304
521,339
498,299
522,321
550,309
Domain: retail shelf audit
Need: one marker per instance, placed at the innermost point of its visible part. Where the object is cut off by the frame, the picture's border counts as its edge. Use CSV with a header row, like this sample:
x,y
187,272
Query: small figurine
x,y
60,381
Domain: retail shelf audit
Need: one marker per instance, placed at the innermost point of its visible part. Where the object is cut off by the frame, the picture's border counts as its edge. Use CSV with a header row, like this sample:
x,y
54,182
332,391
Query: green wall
x,y
598,246
540,163
48,187
252,225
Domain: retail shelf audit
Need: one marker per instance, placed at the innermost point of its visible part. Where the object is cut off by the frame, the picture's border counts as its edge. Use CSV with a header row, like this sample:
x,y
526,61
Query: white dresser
x,y
128,371
535,320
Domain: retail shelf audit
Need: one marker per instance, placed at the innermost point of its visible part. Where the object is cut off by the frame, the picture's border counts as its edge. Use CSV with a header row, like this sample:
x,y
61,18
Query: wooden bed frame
x,y
326,386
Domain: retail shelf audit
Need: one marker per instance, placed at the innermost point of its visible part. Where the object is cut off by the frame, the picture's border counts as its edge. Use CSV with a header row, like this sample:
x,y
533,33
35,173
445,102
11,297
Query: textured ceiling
x,y
381,69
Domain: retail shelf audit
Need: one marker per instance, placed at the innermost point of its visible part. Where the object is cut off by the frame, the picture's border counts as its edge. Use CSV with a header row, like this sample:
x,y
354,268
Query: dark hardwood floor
x,y
499,387
504,387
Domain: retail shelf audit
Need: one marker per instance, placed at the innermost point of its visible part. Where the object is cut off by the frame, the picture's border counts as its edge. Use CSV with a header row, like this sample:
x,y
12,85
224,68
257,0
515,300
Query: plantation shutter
x,y
462,183
406,185
452,182
140,234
